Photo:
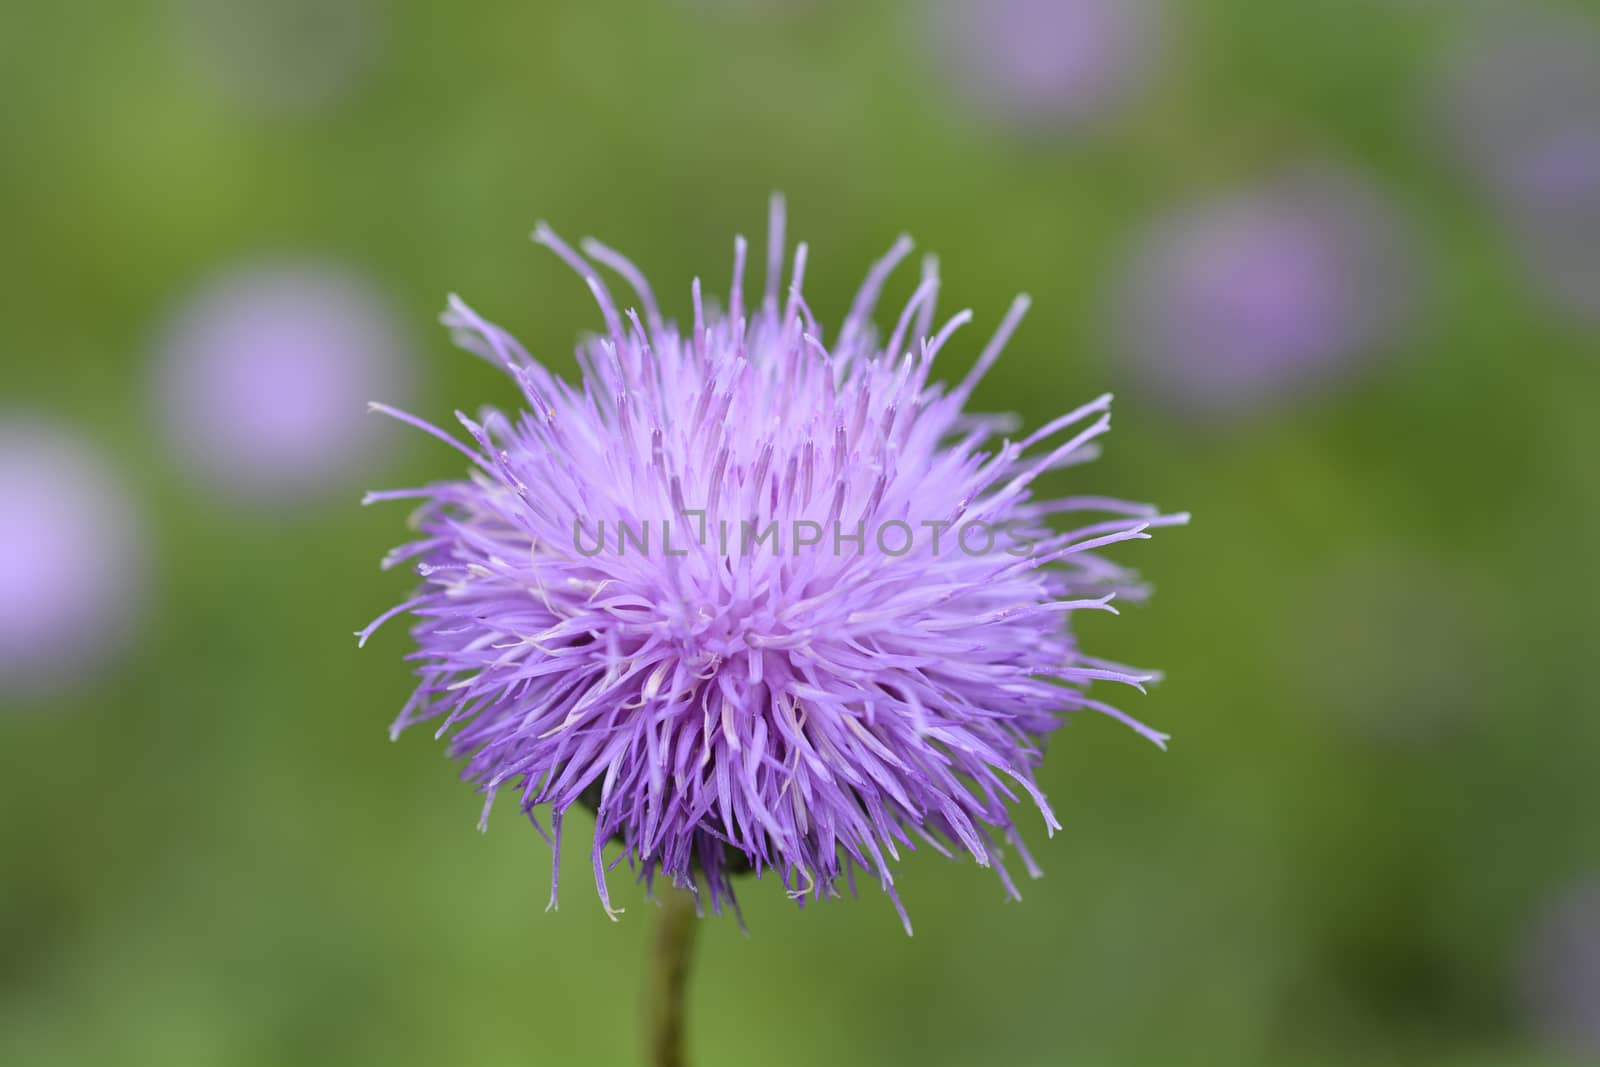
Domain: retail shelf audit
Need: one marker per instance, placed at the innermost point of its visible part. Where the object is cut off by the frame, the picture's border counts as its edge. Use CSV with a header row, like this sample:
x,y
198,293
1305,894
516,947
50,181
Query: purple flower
x,y
851,671
261,371
1521,101
1265,294
1561,974
70,565
1051,62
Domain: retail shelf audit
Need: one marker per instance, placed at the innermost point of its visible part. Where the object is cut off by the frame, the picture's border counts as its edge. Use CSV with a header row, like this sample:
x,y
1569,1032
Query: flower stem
x,y
669,976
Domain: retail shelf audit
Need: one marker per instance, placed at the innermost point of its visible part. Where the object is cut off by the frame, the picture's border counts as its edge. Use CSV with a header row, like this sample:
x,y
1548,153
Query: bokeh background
x,y
1340,259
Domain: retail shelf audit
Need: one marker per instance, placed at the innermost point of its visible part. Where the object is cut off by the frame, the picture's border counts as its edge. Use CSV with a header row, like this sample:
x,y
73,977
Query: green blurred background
x,y
1376,633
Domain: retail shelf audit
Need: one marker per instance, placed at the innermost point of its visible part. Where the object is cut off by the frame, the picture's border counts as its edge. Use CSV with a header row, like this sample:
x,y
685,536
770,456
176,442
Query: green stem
x,y
669,976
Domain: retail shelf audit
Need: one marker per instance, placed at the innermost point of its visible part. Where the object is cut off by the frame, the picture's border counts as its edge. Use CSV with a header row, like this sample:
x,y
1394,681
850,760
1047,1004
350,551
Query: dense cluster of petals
x,y
726,704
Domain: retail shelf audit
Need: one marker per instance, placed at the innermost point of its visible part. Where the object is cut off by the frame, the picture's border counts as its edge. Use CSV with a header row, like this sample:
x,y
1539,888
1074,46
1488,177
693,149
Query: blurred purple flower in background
x,y
1051,63
279,56
71,564
804,709
1265,294
1561,970
263,369
1521,103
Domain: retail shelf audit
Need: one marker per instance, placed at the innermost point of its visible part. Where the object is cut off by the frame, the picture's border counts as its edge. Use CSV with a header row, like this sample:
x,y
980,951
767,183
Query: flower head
x,y
761,601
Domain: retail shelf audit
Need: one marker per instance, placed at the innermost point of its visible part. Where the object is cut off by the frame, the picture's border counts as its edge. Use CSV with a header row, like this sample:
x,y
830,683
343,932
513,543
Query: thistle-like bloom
x,y
870,659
